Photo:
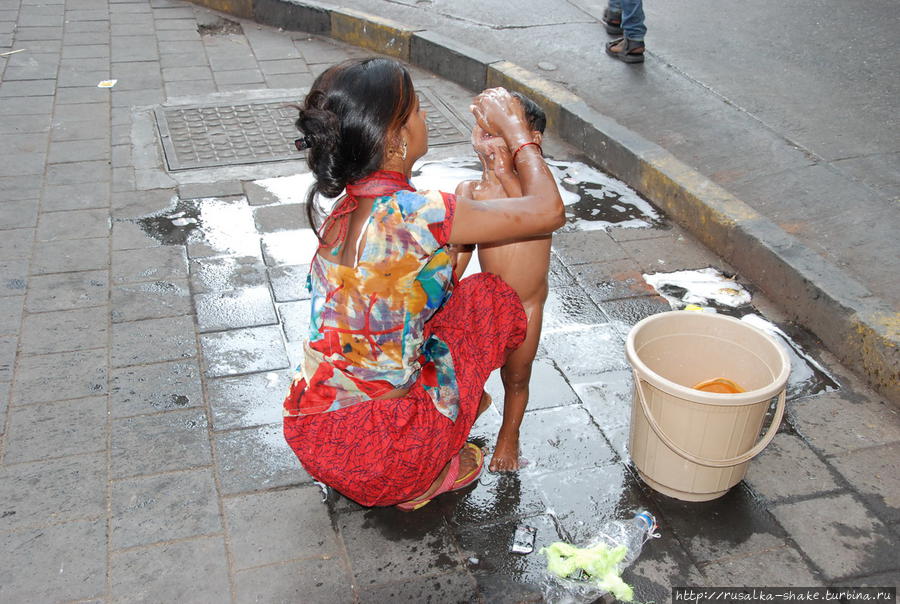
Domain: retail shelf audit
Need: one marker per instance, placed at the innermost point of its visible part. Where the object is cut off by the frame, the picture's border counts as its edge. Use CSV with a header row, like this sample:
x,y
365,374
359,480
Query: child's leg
x,y
516,375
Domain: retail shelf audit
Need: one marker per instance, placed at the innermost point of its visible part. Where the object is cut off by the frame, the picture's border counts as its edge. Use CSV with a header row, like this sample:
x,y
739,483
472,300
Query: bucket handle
x,y
704,461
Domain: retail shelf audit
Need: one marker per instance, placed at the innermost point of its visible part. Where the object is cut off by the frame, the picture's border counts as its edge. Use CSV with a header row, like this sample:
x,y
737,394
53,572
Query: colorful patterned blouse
x,y
367,327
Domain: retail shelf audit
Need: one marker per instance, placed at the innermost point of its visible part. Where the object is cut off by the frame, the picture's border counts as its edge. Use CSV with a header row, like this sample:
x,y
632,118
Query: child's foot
x,y
506,454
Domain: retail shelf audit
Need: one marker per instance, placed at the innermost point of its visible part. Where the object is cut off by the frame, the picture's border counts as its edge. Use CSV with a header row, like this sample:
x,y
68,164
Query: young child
x,y
523,264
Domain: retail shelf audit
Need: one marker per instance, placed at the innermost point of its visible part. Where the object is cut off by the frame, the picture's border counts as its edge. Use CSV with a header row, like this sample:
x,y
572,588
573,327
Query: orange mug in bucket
x,y
719,385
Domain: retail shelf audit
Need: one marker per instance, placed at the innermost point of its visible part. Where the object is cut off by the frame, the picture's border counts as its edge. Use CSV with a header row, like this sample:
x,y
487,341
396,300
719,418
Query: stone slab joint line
x,y
861,330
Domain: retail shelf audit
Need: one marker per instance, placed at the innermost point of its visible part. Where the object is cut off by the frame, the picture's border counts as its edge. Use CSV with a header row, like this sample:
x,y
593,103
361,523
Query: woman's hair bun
x,y
321,132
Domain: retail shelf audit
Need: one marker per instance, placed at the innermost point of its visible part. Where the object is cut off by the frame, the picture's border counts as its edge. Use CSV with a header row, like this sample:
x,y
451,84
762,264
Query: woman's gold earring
x,y
404,151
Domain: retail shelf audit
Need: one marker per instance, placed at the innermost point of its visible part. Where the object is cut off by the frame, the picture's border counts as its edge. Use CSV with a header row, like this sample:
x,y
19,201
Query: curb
x,y
861,330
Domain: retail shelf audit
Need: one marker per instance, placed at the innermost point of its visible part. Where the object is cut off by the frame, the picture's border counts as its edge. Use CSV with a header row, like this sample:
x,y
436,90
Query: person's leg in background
x,y
629,48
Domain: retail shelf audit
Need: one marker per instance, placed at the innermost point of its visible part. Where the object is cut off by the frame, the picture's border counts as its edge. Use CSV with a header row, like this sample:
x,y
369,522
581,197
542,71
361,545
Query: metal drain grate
x,y
209,136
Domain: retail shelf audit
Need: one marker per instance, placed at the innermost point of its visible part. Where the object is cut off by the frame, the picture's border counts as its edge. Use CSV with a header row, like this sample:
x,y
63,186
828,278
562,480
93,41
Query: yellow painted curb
x,y
238,8
374,33
548,95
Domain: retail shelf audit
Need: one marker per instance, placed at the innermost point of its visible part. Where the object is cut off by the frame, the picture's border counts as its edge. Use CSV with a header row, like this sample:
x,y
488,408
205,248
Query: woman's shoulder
x,y
429,203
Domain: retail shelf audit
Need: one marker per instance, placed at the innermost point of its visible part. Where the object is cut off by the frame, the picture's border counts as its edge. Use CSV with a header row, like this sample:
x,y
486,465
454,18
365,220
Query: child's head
x,y
537,119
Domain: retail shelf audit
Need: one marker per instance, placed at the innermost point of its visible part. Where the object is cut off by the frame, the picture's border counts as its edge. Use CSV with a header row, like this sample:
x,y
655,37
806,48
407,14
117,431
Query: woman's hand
x,y
498,113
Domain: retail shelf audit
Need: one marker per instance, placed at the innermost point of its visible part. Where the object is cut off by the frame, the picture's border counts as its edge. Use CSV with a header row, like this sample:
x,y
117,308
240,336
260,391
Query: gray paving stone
x,y
195,72
873,474
76,196
133,47
194,571
65,375
75,551
154,264
150,300
11,314
25,124
162,508
183,59
79,224
835,422
314,581
13,277
568,308
20,187
289,282
295,317
4,387
282,217
788,468
27,88
36,494
709,531
279,525
224,273
247,401
238,76
176,24
151,341
611,280
95,173
241,351
138,75
64,331
68,427
136,204
662,564
548,388
92,112
457,586
245,307
411,550
36,66
628,312
64,291
86,26
148,444
121,156
8,346
138,98
574,442
88,51
587,353
256,458
283,66
78,150
608,399
22,164
221,188
177,35
153,388
839,523
673,252
501,577
582,247
16,243
28,105
781,566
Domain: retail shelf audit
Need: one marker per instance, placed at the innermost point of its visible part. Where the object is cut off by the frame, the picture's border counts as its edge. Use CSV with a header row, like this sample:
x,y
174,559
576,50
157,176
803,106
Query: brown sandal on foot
x,y
631,51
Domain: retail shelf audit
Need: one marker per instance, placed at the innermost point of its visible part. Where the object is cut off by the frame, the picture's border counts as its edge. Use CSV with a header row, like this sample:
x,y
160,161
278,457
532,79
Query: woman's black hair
x,y
345,120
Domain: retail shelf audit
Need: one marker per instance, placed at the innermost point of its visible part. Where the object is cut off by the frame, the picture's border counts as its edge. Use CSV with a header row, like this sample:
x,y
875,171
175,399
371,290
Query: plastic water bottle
x,y
633,534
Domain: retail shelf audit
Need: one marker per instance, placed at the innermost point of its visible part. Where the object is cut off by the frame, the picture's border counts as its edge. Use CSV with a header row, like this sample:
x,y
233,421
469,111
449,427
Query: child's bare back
x,y
524,265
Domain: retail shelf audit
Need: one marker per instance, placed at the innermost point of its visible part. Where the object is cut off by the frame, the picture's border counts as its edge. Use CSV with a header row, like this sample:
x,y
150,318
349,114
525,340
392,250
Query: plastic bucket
x,y
690,444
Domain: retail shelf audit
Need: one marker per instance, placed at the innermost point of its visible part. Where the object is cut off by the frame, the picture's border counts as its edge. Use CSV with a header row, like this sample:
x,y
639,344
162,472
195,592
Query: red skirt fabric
x,y
383,452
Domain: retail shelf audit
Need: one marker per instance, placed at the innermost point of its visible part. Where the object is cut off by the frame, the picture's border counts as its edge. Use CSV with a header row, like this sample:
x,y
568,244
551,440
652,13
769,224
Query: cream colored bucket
x,y
690,444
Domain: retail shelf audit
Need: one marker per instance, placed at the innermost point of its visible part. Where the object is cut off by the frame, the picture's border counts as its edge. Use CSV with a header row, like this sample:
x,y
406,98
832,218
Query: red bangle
x,y
522,146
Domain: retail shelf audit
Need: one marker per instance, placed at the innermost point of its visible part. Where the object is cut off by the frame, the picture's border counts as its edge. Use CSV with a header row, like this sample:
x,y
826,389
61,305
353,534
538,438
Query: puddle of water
x,y
708,290
593,200
288,189
211,226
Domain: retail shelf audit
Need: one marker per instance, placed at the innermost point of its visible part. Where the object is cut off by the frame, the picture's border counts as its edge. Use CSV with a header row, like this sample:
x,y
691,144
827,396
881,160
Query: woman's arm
x,y
539,209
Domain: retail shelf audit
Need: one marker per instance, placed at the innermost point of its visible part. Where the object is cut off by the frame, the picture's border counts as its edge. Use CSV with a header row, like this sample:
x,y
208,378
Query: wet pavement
x,y
149,318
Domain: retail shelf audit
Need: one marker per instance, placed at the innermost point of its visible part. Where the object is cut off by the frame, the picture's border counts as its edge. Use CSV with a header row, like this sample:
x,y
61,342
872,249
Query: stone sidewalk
x,y
149,318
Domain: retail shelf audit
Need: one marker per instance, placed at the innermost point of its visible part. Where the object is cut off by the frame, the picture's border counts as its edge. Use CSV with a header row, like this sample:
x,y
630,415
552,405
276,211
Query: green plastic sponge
x,y
599,563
